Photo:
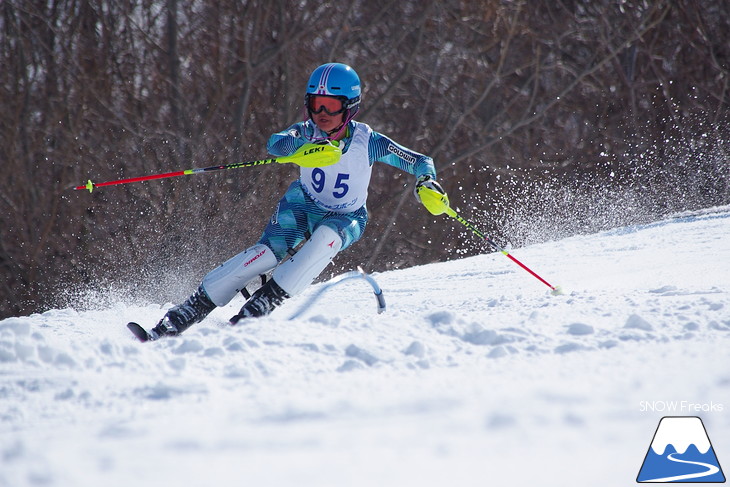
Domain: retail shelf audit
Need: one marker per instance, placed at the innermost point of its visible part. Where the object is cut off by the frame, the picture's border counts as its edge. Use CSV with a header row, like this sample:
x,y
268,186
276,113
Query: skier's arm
x,y
384,149
428,191
287,142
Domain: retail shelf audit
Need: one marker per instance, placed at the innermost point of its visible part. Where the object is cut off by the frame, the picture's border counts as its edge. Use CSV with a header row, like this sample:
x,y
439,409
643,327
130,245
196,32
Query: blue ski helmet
x,y
337,80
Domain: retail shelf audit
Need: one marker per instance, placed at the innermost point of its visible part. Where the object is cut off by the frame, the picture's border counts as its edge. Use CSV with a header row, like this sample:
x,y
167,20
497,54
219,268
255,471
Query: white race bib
x,y
342,187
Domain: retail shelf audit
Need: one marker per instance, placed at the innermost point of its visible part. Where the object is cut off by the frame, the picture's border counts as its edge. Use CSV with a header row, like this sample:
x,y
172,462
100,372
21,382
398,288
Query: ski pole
x,y
309,155
437,202
555,290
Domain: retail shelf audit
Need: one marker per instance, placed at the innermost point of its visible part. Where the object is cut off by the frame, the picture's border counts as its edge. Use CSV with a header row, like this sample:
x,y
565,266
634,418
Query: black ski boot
x,y
262,302
179,318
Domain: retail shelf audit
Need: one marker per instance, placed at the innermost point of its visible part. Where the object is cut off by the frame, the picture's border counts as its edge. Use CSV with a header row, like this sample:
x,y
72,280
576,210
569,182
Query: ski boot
x,y
262,302
178,318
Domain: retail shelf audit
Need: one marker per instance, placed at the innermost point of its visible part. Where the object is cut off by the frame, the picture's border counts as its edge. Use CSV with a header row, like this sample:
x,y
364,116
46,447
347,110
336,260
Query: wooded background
x,y
545,118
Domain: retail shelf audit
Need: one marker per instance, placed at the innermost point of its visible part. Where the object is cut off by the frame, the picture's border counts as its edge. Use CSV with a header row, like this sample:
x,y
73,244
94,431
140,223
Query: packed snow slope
x,y
474,376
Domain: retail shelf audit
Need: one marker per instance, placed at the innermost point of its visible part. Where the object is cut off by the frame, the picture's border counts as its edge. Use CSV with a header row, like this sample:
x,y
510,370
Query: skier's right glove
x,y
432,195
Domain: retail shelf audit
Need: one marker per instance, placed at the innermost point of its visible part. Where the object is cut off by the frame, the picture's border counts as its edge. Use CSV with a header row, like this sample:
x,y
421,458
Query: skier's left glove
x,y
432,195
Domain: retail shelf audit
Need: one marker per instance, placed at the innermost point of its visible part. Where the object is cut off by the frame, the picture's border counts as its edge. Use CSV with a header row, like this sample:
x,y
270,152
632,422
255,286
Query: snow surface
x,y
475,375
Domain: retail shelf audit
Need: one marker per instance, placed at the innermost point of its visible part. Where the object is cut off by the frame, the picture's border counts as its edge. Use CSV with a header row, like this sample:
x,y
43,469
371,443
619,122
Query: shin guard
x,y
224,282
295,274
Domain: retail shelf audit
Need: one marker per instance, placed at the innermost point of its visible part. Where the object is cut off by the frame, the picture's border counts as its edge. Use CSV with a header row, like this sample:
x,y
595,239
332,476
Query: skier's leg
x,y
224,282
294,218
285,230
294,274
219,286
332,233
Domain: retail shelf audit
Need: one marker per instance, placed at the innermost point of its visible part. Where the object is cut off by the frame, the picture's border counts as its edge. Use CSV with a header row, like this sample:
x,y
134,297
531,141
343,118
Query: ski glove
x,y
432,195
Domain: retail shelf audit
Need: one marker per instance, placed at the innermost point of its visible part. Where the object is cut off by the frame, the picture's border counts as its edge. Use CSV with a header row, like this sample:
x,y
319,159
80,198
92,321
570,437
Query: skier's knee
x,y
225,281
295,274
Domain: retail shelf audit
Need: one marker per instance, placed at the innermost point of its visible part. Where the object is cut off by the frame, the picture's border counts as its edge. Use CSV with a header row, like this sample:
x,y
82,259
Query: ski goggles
x,y
330,104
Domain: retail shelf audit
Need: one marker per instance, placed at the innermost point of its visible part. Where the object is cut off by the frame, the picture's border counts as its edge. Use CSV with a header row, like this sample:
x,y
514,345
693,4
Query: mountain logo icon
x,y
680,452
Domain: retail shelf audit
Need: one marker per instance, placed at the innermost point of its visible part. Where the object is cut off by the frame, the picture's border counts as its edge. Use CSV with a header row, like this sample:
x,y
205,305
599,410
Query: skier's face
x,y
326,111
326,122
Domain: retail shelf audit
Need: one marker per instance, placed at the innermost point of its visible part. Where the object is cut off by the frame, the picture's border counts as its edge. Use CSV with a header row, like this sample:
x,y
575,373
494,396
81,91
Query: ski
x,y
138,331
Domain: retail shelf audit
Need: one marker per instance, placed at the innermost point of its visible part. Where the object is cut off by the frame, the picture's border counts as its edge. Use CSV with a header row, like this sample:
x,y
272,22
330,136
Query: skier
x,y
325,207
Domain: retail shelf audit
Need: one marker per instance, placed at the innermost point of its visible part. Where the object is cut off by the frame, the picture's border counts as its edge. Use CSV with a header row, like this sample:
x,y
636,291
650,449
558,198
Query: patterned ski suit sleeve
x,y
384,149
287,142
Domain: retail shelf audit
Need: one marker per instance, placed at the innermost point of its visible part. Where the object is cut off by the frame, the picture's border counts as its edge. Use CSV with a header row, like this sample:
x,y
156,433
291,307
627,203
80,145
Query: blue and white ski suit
x,y
326,204
333,195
